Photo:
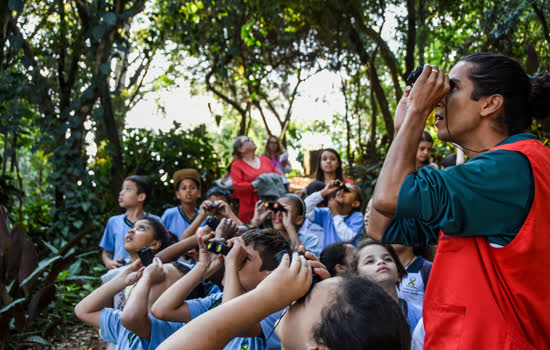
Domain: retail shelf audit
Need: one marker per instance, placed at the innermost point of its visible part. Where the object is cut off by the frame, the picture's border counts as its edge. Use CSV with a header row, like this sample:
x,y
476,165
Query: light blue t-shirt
x,y
324,218
310,241
199,306
311,227
175,220
113,237
113,331
413,314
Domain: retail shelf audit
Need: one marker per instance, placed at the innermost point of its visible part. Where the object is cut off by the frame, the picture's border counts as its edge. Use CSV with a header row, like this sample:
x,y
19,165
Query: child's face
x,y
377,264
277,216
424,151
329,162
129,196
296,327
140,235
348,198
249,273
188,192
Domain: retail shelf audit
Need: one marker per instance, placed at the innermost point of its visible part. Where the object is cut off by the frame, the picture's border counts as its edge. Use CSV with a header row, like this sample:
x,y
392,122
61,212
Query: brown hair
x,y
279,150
268,242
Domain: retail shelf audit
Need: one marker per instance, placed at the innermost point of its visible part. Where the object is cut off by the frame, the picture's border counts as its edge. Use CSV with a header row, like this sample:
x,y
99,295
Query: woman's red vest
x,y
482,297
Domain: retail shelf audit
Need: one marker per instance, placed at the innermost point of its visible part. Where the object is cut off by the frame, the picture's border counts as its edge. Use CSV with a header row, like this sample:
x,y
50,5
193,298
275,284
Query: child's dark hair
x,y
268,242
161,234
401,272
362,316
360,197
320,175
143,185
426,137
219,192
334,254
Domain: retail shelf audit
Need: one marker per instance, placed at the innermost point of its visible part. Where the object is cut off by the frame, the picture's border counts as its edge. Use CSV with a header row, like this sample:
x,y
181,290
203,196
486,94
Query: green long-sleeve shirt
x,y
490,195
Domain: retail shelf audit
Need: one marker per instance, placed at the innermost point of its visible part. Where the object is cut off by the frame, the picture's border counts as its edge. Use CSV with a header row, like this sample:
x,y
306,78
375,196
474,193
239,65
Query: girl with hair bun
x,y
488,215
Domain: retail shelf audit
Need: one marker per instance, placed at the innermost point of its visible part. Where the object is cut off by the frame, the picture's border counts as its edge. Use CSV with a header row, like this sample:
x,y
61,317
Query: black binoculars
x,y
341,185
275,206
279,256
213,206
146,256
218,247
213,222
413,76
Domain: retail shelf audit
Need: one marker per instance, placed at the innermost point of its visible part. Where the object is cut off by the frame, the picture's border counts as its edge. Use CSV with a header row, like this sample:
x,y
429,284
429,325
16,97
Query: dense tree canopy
x,y
71,70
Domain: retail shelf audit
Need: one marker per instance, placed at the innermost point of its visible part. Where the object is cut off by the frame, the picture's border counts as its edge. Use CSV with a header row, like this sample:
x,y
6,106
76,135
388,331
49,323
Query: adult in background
x,y
488,287
279,158
330,167
246,168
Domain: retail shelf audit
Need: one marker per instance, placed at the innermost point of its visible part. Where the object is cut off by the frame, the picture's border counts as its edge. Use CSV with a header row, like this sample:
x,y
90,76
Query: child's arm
x,y
108,261
89,308
212,331
233,262
135,317
171,305
348,231
315,198
174,251
203,213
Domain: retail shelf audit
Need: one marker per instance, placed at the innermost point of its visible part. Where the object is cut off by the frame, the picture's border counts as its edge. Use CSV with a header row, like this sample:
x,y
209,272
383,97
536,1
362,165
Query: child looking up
x,y
380,264
330,167
187,183
338,313
289,222
342,220
250,260
136,191
151,331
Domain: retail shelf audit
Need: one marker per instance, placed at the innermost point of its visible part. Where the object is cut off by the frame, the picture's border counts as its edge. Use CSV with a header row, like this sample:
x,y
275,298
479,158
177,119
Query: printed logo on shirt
x,y
131,337
244,345
412,282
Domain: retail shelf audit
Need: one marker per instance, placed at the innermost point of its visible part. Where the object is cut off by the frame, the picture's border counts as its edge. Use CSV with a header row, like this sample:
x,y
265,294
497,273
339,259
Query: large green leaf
x,y
41,266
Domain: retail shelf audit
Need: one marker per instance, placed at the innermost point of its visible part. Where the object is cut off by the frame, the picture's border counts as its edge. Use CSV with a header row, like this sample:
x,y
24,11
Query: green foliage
x,y
158,155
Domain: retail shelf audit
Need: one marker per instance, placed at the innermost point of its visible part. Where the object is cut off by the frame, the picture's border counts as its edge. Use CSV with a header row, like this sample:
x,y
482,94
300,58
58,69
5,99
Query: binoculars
x,y
213,206
218,247
146,256
341,185
275,206
279,256
213,222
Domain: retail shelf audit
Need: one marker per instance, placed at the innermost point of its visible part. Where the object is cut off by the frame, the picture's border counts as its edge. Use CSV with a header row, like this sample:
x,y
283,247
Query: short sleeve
x,y
199,306
355,222
160,330
268,327
108,239
320,216
409,232
109,325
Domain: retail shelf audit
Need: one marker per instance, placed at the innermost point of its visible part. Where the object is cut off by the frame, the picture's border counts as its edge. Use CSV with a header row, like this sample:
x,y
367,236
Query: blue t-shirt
x,y
412,287
413,314
113,237
312,228
175,220
310,241
324,218
113,331
200,306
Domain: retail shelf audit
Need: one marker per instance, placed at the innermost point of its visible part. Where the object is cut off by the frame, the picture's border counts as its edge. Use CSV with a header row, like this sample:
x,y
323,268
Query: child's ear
x,y
300,220
340,269
155,246
141,197
356,203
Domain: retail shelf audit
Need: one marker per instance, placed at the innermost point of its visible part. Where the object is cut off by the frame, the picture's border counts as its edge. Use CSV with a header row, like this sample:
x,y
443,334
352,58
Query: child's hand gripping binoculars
x,y
218,247
341,185
279,256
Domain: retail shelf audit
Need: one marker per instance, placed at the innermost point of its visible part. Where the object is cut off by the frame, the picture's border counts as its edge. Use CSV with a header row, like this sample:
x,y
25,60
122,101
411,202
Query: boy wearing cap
x,y
187,183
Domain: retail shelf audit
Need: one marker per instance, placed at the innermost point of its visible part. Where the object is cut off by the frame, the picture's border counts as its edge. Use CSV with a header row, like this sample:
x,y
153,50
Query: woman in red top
x,y
245,169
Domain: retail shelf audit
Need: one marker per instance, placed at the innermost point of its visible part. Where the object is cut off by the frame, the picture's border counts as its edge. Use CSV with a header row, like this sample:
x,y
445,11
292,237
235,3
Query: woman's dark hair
x,y
334,254
426,137
401,271
161,234
320,176
497,74
362,316
219,192
143,185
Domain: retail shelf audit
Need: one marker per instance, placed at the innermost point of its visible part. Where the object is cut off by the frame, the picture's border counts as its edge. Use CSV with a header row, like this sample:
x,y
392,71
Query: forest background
x,y
71,71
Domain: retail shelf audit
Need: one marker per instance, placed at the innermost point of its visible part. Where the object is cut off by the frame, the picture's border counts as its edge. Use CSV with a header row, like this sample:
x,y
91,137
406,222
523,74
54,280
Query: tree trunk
x,y
381,98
